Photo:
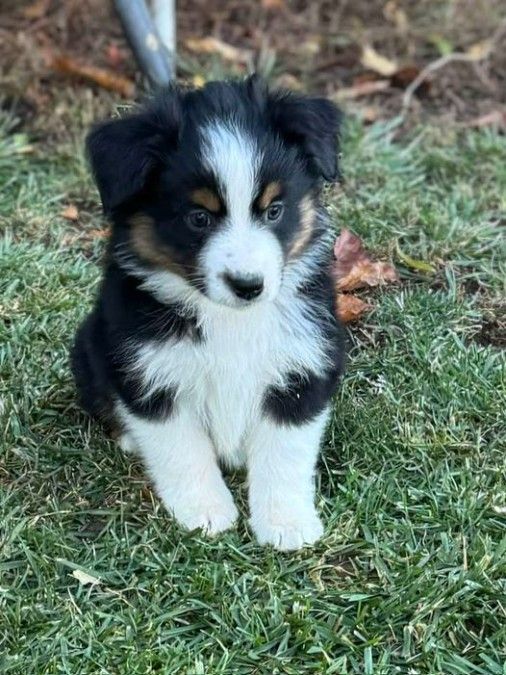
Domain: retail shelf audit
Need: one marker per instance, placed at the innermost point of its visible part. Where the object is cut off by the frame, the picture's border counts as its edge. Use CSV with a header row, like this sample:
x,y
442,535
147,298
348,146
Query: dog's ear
x,y
124,152
313,124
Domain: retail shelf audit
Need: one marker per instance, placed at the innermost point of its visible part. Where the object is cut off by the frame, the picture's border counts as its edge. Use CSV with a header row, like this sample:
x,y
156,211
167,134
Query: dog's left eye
x,y
274,211
199,220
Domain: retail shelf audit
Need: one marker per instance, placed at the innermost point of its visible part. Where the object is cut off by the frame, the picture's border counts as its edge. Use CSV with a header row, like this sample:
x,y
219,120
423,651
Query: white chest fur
x,y
222,378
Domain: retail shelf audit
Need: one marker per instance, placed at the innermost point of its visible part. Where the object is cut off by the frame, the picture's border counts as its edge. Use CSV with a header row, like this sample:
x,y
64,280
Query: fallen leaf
x,y
367,273
480,50
273,4
493,118
211,45
36,10
198,81
288,81
362,89
403,77
354,268
418,265
372,60
369,114
84,578
104,78
396,15
70,213
350,308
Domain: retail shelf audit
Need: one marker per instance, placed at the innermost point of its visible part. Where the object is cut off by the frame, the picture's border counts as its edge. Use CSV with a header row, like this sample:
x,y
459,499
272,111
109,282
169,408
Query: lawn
x,y
410,576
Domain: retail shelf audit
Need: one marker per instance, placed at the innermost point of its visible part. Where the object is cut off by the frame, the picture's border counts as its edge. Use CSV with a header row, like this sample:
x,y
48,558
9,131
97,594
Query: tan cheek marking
x,y
144,244
271,191
307,217
206,198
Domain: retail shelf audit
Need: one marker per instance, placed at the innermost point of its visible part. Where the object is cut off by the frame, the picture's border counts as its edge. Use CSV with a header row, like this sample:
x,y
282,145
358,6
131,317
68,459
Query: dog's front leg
x,y
281,463
181,460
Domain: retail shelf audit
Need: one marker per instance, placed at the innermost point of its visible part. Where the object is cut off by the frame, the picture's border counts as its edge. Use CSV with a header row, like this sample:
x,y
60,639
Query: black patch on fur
x,y
305,395
101,362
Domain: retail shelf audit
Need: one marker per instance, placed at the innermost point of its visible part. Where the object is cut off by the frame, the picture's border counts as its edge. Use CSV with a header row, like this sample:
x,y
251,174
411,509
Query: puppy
x,y
214,337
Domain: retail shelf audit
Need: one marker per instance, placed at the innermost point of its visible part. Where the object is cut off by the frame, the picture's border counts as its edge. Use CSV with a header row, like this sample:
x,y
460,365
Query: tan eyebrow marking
x,y
144,244
307,218
206,198
270,192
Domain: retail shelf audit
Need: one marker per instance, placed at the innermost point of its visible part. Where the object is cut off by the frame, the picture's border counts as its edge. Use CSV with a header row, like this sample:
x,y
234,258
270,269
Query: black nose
x,y
246,288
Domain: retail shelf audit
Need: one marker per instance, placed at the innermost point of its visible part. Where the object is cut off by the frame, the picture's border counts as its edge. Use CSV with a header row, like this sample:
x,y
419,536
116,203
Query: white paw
x,y
212,516
288,531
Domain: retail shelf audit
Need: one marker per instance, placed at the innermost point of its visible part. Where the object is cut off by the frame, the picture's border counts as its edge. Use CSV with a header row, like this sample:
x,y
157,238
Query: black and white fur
x,y
214,337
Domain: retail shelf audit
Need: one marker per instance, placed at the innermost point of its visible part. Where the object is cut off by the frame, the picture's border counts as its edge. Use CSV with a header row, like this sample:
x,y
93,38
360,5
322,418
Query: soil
x,y
311,45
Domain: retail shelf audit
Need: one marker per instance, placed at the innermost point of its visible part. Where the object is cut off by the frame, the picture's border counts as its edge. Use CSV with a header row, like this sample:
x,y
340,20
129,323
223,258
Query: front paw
x,y
212,515
287,530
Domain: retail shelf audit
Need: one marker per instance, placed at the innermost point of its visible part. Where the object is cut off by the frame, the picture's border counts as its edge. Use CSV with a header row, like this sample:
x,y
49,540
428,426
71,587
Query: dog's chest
x,y
223,377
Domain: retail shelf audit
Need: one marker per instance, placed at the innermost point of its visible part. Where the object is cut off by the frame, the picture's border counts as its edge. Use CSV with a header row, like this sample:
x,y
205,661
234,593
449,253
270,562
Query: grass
x,y
411,574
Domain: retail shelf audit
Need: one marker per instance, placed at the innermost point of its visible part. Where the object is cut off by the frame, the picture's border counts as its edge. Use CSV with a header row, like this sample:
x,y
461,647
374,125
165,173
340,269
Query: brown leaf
x,y
367,273
403,77
354,268
372,60
273,4
350,308
36,10
70,213
362,89
211,45
100,76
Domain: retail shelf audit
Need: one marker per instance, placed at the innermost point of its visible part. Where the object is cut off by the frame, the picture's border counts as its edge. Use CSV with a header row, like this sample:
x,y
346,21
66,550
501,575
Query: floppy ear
x,y
312,124
123,153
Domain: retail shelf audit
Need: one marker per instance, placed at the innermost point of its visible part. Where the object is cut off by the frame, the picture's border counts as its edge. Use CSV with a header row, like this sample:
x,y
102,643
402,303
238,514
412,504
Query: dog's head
x,y
217,185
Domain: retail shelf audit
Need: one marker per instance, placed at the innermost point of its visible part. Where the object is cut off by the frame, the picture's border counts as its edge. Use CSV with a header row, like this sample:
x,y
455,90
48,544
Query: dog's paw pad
x,y
289,533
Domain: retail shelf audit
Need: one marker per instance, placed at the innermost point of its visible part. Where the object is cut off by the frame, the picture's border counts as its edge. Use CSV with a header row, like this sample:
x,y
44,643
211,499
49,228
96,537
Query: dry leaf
x,y
211,45
104,78
354,268
491,119
350,308
480,50
273,4
84,578
36,10
362,89
70,213
374,61
403,77
396,15
367,273
99,233
198,81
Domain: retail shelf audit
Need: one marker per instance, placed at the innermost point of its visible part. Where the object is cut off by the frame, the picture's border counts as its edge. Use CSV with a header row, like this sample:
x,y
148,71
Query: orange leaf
x,y
211,45
350,308
36,10
273,4
367,273
70,213
354,268
104,78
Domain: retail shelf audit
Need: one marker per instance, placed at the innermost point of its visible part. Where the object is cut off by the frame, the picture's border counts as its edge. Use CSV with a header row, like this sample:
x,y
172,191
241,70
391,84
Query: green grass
x,y
411,574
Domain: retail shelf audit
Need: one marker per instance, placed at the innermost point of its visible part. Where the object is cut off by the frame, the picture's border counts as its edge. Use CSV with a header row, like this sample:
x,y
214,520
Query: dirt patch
x,y
315,46
493,329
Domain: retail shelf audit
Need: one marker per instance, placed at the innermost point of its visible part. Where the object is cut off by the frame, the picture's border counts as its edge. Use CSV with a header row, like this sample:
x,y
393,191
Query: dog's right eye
x,y
199,220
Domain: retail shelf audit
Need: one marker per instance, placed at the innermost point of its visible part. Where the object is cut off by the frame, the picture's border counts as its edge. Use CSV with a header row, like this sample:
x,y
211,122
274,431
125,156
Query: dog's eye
x,y
199,220
274,211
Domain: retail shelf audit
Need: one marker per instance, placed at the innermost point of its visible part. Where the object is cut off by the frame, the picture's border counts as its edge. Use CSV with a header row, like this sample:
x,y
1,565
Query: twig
x,y
444,61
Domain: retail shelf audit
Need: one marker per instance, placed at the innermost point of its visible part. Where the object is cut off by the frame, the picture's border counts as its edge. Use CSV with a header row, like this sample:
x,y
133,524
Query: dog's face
x,y
217,186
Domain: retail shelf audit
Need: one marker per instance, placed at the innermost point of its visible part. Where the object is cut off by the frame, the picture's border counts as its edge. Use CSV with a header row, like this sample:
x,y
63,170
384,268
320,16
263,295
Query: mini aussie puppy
x,y
214,338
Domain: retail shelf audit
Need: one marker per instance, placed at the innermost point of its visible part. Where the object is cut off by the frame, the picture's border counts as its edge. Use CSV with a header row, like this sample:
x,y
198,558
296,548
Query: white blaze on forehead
x,y
233,157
